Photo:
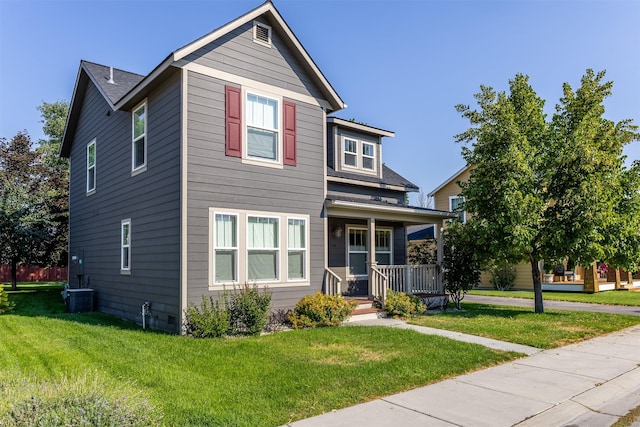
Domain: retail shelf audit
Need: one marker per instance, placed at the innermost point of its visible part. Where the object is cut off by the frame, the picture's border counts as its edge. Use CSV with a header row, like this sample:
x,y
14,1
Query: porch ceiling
x,y
409,215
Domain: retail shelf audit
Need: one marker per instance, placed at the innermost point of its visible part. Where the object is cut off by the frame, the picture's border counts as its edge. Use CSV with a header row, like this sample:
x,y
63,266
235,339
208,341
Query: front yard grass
x,y
553,328
259,381
606,297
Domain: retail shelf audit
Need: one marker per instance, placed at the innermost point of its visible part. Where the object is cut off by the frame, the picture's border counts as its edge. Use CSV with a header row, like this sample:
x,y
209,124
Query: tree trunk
x,y
14,274
537,286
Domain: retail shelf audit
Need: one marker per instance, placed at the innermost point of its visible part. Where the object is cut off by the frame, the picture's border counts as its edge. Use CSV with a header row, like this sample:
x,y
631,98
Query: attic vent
x,y
262,33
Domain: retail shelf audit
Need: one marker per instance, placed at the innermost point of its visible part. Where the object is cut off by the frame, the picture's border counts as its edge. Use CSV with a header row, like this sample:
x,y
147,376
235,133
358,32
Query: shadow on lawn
x,y
471,310
37,300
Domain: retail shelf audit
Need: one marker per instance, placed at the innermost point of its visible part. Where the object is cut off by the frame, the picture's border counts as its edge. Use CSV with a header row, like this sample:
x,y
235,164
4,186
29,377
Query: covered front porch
x,y
367,249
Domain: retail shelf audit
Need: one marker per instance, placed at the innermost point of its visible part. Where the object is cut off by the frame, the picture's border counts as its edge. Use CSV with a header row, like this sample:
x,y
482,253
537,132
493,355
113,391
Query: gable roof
x,y
360,127
134,84
450,179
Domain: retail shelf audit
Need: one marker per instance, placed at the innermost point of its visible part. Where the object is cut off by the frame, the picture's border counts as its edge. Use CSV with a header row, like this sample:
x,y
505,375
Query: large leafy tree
x,y
55,178
546,189
24,217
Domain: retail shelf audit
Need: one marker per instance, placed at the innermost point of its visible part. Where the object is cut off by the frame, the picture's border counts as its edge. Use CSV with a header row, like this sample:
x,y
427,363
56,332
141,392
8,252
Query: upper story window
x,y
91,167
456,204
139,138
357,154
262,127
262,34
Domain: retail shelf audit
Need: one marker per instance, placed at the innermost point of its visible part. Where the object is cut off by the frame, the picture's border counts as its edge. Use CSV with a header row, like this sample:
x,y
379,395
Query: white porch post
x,y
371,244
440,256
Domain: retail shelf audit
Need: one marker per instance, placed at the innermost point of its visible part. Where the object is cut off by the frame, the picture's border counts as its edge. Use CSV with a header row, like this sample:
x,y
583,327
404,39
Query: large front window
x,y
357,251
139,137
262,127
225,237
263,249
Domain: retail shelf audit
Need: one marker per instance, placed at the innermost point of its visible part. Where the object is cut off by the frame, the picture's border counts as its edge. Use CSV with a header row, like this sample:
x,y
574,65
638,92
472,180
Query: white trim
x,y
184,161
348,252
359,154
259,161
373,157
345,152
91,191
257,24
307,257
464,213
391,209
242,264
138,169
361,127
212,270
127,269
451,178
254,84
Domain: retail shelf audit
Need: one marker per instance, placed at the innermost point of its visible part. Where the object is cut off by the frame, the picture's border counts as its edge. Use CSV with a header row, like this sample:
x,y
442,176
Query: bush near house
x,y
399,304
503,276
4,301
320,310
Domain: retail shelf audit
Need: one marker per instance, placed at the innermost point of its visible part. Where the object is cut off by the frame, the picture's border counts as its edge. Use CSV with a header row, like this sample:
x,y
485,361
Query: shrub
x,y
320,310
503,277
399,304
249,310
210,319
278,320
87,400
461,260
4,301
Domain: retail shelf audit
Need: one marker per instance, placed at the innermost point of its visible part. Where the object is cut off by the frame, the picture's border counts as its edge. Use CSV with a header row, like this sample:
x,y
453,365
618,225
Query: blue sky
x,y
399,65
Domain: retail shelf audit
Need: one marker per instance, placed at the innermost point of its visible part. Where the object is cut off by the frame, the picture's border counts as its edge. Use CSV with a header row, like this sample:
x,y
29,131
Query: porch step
x,y
365,311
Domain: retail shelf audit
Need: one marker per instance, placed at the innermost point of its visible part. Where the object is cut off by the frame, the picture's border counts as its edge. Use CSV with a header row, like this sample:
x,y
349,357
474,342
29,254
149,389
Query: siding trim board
x,y
184,213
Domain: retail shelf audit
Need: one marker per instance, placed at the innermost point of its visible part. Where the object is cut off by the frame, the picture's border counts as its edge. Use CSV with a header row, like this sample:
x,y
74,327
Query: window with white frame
x,y
263,248
357,252
350,152
225,243
384,245
263,138
91,166
368,156
357,154
139,137
456,204
296,249
125,245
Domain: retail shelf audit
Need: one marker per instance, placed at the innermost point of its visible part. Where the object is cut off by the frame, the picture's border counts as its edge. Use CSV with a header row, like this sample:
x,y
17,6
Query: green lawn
x,y
268,380
607,297
551,329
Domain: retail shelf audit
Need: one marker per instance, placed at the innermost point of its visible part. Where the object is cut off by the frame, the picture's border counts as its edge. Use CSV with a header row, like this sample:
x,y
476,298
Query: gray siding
x,y
150,199
215,180
238,54
365,193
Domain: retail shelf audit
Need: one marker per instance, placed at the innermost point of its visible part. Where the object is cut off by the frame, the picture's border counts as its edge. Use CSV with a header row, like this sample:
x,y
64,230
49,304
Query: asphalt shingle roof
x,y
124,81
389,177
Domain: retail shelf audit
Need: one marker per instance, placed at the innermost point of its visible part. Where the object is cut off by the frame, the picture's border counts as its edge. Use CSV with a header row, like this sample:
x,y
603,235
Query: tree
x,y
461,261
56,178
543,190
24,217
424,200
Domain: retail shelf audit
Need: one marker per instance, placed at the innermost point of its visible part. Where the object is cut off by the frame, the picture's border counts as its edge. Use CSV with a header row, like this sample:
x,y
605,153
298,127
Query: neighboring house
x,y
221,168
447,197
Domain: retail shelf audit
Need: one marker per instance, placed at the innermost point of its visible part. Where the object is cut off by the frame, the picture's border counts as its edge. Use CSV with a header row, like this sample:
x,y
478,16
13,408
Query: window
x,y
139,138
359,155
384,255
357,252
262,34
262,127
350,152
91,166
125,245
456,204
263,249
368,156
296,249
226,248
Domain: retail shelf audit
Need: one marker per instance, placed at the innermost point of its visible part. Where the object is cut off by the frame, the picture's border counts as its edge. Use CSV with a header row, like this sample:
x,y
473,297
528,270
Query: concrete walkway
x,y
591,383
556,305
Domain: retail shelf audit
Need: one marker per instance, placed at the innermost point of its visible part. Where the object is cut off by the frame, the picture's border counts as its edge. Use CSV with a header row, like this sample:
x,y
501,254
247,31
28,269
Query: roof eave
x,y
360,127
450,179
406,214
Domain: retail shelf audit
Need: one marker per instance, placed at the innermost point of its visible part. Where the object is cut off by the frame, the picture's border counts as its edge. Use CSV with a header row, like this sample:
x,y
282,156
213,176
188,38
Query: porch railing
x,y
379,284
331,282
412,279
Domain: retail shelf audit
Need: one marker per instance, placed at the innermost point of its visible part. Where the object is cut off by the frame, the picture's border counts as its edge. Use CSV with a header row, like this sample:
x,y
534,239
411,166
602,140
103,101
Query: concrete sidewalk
x,y
591,383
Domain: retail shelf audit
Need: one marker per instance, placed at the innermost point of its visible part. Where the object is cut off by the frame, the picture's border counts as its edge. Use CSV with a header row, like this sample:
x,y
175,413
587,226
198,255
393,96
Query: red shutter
x,y
233,121
289,109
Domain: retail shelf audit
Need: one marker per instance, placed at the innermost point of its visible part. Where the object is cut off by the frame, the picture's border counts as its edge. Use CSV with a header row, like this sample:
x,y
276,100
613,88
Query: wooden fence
x,y
32,273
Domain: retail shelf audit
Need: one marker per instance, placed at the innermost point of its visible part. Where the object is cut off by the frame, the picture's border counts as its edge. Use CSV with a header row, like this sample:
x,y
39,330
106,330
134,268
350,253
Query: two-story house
x,y
221,168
